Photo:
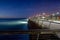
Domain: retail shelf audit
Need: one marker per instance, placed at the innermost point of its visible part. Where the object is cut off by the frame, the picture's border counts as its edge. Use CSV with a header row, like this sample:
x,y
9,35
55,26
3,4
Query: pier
x,y
45,23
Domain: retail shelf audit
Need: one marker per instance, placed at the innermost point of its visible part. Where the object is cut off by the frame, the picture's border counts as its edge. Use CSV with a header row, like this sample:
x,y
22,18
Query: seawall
x,y
33,25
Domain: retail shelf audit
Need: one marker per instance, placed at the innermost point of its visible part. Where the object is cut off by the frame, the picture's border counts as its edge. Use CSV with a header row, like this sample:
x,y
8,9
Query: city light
x,y
43,17
53,14
57,13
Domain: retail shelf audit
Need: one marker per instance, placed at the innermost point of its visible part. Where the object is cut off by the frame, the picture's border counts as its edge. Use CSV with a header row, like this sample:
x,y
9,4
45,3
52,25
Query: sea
x,y
13,24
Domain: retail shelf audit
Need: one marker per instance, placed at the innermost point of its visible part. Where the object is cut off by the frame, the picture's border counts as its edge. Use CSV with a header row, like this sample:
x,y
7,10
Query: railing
x,y
41,22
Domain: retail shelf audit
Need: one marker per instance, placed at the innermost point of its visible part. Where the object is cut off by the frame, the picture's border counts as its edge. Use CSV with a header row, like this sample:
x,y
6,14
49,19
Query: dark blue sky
x,y
26,8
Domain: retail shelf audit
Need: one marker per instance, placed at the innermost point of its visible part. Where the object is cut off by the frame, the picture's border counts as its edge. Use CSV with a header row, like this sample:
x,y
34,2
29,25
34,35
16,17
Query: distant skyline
x,y
26,8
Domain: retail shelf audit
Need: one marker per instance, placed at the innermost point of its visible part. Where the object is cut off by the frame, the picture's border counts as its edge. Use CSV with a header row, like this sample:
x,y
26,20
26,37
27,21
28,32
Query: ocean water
x,y
9,24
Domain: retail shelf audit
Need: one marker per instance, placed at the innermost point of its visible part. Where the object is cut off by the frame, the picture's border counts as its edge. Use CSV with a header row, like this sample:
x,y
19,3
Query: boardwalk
x,y
49,24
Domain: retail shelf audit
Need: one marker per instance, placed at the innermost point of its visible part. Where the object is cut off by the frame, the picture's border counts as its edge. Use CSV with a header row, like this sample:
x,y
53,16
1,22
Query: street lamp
x,y
53,15
57,14
43,13
43,17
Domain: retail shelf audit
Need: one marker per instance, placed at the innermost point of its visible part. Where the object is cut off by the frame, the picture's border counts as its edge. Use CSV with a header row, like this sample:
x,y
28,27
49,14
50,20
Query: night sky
x,y
26,8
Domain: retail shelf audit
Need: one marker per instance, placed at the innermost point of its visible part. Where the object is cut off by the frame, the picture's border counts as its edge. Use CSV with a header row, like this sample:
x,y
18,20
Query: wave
x,y
14,22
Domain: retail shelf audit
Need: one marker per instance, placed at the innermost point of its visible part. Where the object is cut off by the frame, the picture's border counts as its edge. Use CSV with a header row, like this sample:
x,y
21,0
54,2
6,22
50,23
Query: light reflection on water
x,y
14,25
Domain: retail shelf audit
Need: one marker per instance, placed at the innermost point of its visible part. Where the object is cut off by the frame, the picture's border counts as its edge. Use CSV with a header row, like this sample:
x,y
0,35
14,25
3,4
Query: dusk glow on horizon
x,y
27,8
